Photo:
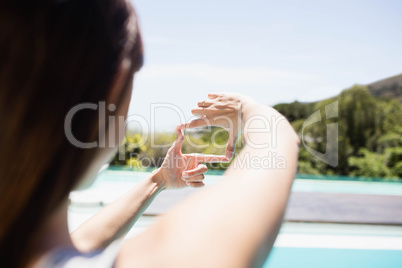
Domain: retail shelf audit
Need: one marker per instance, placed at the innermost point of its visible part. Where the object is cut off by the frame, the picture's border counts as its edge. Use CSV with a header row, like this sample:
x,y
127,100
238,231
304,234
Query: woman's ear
x,y
120,81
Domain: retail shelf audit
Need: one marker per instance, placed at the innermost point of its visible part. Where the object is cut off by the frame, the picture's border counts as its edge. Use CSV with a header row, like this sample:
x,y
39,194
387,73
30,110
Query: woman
x,y
56,55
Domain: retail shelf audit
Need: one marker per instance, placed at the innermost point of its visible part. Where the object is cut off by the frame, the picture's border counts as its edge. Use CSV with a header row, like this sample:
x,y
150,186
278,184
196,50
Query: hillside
x,y
388,88
369,131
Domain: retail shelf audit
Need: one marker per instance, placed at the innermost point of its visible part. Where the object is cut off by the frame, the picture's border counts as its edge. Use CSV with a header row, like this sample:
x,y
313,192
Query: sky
x,y
273,51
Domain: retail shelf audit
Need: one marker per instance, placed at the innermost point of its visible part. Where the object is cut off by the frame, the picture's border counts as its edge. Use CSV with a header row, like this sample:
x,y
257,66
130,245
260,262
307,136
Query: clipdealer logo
x,y
331,153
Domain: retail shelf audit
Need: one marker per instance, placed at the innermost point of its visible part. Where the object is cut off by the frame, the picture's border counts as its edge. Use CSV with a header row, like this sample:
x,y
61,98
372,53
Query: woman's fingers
x,y
230,147
197,178
205,103
210,158
214,95
176,146
199,170
229,152
196,123
195,184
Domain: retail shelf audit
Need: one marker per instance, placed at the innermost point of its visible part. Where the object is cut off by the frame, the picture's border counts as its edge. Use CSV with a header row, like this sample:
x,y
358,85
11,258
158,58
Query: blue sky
x,y
274,51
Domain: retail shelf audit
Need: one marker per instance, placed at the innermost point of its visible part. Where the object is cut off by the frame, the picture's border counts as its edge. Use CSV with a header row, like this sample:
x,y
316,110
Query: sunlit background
x,y
348,215
274,51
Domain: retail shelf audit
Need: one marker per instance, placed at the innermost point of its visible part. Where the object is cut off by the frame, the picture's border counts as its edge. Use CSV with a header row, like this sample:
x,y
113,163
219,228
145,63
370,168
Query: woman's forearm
x,y
231,224
117,218
265,181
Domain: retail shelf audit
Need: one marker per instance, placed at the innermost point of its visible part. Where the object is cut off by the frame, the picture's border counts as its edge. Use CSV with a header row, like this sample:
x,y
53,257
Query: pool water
x,y
299,245
284,257
303,183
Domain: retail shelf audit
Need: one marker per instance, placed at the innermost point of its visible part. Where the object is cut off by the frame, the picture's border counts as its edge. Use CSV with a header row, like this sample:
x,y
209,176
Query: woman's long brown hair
x,y
53,56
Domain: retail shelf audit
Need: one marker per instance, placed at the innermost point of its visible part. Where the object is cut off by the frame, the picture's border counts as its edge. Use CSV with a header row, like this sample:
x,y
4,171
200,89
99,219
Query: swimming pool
x,y
121,178
298,244
333,258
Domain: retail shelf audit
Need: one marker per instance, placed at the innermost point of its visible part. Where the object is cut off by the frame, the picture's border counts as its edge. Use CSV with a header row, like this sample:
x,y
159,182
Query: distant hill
x,y
387,88
369,130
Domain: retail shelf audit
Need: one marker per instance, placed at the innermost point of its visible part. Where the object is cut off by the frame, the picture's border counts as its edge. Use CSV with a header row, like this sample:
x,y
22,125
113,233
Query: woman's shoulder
x,y
72,258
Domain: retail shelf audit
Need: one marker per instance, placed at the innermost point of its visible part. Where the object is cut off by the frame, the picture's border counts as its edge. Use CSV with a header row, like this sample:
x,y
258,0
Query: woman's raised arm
x,y
235,222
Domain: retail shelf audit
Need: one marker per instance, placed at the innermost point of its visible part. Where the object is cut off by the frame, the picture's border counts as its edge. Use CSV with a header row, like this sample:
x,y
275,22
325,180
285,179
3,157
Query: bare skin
x,y
239,217
115,220
103,228
232,224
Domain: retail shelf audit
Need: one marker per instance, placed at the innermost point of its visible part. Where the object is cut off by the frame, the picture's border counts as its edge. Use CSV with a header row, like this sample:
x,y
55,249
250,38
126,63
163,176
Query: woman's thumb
x,y
230,148
179,141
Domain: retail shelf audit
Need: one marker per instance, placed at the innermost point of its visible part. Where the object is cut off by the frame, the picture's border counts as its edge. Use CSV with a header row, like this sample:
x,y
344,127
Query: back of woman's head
x,y
53,56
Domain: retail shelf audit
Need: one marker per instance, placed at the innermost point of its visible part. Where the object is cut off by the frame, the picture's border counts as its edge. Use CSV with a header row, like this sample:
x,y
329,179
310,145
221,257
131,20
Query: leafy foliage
x,y
369,137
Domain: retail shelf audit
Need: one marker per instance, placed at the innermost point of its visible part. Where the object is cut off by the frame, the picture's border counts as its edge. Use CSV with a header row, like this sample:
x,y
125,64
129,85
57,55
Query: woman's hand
x,y
224,110
247,206
180,170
